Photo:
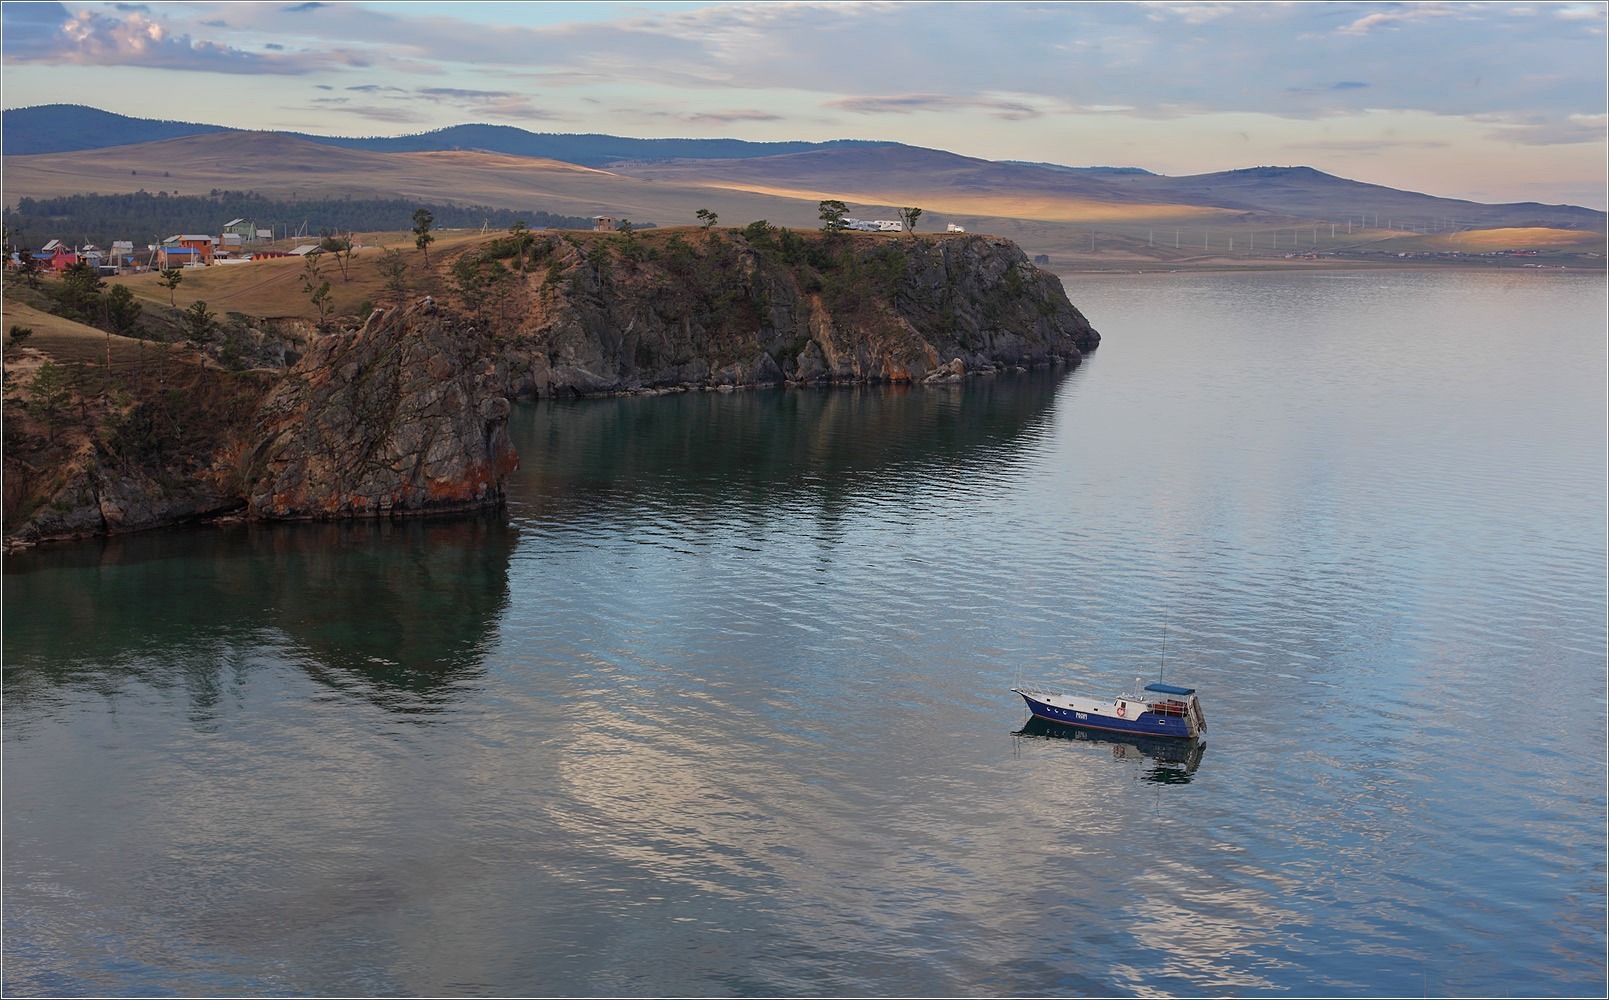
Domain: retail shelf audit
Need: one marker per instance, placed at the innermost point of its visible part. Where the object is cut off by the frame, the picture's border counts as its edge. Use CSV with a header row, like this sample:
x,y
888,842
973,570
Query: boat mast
x,y
1163,668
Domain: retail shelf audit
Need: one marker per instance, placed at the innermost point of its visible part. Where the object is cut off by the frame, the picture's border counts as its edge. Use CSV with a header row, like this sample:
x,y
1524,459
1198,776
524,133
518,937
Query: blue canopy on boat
x,y
1169,689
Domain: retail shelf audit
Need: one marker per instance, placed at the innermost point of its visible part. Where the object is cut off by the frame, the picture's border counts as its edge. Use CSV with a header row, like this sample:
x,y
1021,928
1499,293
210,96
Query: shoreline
x,y
1325,267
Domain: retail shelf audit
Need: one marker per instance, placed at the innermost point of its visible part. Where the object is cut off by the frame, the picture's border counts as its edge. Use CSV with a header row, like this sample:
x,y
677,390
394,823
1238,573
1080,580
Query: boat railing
x,y
1038,692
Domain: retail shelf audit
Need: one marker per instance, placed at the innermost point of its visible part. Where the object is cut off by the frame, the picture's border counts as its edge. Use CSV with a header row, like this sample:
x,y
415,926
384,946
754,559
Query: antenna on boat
x,y
1163,668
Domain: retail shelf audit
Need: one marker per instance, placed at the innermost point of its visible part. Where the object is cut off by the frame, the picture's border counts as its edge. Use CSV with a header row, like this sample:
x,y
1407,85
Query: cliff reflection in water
x,y
1175,760
699,451
399,612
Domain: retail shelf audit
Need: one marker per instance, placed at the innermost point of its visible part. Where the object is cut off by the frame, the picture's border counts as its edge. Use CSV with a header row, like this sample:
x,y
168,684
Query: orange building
x,y
187,249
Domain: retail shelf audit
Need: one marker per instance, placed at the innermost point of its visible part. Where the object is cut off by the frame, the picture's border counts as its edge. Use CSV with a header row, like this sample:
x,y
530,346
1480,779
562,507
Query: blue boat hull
x,y
1145,724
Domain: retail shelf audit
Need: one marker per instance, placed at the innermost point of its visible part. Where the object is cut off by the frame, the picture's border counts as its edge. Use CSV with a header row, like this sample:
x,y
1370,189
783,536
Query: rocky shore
x,y
406,413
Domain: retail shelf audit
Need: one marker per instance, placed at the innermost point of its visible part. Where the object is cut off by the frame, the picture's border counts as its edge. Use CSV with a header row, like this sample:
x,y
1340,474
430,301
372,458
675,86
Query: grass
x,y
69,342
272,289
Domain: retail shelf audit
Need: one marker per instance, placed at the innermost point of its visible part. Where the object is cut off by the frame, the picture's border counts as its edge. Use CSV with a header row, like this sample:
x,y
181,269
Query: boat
x,y
1164,710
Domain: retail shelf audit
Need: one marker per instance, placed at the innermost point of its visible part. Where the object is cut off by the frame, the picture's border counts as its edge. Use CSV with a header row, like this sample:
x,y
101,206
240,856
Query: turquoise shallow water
x,y
719,704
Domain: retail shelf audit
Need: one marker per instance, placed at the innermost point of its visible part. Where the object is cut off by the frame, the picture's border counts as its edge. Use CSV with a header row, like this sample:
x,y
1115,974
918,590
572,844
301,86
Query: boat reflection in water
x,y
1176,760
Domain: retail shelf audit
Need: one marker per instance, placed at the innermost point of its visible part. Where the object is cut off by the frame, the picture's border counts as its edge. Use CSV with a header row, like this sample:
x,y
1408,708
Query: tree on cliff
x,y
706,216
338,246
394,268
422,239
317,291
122,312
50,393
80,293
28,268
201,323
909,217
832,215
170,280
522,240
485,284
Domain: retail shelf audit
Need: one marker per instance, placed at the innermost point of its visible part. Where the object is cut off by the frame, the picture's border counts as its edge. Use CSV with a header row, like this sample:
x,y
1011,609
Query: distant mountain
x,y
587,150
1267,195
61,150
889,174
1306,193
68,128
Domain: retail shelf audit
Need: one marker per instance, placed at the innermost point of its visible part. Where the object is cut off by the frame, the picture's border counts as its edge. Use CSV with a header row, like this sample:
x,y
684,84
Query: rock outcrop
x,y
402,416
634,313
409,414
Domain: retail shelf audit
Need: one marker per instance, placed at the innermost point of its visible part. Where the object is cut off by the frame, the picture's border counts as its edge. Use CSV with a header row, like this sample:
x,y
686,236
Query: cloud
x,y
1397,17
1538,130
1370,146
393,115
404,104
904,104
30,29
50,33
716,117
1013,62
460,94
490,103
730,117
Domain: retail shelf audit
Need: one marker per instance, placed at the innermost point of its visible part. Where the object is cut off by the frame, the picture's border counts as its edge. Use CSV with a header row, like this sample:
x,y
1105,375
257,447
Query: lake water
x,y
720,703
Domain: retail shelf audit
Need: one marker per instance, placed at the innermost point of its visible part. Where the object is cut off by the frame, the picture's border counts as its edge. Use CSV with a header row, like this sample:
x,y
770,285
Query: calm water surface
x,y
719,704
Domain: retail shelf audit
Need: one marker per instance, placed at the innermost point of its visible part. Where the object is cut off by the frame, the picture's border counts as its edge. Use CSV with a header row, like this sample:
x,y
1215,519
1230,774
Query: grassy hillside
x,y
1079,219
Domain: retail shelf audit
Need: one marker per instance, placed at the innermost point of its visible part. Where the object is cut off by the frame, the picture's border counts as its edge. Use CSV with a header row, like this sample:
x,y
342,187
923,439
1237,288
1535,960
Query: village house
x,y
189,248
56,256
95,257
241,232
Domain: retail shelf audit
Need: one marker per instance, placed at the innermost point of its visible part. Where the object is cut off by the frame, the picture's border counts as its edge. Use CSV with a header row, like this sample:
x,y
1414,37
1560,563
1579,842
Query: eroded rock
x,y
403,416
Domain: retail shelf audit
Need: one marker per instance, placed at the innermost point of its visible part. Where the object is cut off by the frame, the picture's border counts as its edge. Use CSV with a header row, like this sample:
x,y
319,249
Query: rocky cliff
x,y
401,416
408,413
596,313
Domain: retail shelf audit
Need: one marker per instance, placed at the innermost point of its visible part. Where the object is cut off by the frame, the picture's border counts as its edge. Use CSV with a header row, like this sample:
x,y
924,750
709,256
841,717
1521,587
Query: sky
x,y
1495,102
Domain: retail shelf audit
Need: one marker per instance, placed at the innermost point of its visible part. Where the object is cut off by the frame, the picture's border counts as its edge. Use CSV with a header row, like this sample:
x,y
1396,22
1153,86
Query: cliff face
x,y
402,416
409,413
625,313
156,447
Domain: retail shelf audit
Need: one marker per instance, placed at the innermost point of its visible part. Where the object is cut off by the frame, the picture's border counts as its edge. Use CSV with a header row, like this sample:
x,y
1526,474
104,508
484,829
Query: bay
x,y
719,704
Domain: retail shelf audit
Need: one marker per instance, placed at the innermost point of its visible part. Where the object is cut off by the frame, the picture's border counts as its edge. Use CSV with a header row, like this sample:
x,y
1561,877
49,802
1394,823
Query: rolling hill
x,y
1117,215
69,128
